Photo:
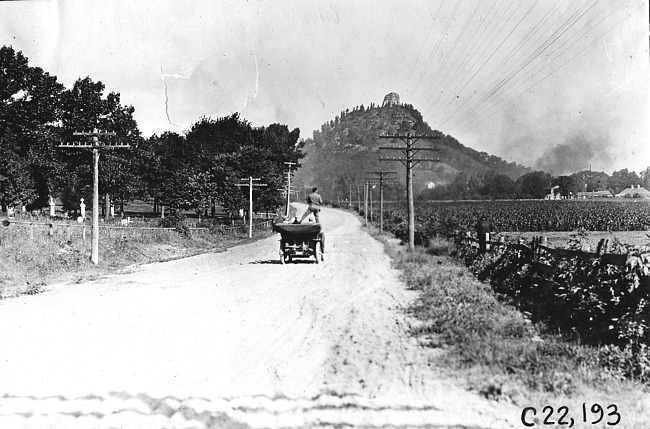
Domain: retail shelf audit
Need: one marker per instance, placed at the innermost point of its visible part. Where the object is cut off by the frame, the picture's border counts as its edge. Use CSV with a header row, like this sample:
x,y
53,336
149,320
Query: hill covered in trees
x,y
345,148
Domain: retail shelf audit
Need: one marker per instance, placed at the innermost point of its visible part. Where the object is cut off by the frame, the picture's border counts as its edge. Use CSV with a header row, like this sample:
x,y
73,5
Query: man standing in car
x,y
314,200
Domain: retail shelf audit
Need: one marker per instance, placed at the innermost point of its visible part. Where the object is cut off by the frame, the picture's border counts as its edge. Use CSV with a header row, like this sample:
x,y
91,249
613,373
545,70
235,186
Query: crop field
x,y
526,216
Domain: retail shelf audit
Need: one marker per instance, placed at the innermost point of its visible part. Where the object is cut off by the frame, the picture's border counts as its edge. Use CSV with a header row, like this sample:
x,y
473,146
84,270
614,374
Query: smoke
x,y
577,153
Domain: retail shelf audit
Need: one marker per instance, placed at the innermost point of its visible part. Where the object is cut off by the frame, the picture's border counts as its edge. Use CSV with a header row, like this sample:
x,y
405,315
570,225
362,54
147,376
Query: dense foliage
x,y
580,295
198,169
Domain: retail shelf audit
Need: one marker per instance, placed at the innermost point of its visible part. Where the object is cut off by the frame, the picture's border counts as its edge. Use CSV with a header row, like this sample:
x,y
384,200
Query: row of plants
x,y
534,215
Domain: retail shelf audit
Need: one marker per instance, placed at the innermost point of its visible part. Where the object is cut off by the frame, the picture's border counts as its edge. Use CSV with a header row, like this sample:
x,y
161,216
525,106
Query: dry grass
x,y
29,261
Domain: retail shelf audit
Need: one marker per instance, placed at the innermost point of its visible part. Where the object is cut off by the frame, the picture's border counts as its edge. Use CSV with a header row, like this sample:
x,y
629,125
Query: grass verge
x,y
499,351
29,262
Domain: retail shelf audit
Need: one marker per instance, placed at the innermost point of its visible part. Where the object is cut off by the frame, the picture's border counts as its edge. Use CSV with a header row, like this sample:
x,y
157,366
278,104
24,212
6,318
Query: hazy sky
x,y
554,84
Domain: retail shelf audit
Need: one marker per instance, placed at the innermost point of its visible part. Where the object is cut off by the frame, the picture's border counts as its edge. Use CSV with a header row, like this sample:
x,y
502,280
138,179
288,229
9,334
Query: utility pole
x,y
350,200
365,203
359,199
250,185
383,177
409,161
290,164
371,186
96,145
366,197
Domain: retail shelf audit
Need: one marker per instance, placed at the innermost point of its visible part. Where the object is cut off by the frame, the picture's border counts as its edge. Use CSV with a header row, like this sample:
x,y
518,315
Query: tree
x,y
645,178
16,184
622,179
83,109
498,186
29,114
204,167
590,181
533,185
568,185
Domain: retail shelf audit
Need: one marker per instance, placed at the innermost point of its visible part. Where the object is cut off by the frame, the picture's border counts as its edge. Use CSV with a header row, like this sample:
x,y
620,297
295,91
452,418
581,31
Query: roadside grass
x,y
28,264
503,355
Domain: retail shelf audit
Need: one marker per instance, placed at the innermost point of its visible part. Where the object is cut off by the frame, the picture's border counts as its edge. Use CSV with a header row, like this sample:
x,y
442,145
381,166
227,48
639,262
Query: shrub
x,y
178,220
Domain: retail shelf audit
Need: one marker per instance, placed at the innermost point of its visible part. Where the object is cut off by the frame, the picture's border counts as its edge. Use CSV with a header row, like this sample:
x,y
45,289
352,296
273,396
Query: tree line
x,y
199,168
535,185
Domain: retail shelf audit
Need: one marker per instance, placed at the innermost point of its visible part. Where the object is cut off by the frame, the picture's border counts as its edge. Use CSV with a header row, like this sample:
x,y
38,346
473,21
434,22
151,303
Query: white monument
x,y
52,206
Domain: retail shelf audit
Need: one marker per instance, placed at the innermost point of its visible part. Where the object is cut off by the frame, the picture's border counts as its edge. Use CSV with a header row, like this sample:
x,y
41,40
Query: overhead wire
x,y
495,36
484,25
475,123
532,57
511,56
430,88
435,49
559,32
508,37
423,45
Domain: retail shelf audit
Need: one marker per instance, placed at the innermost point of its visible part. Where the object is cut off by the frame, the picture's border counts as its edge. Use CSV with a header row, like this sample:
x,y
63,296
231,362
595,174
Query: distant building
x,y
633,192
594,194
554,194
391,99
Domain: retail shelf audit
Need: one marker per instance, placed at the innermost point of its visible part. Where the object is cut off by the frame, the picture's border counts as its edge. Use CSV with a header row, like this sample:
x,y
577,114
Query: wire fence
x,y
74,231
537,249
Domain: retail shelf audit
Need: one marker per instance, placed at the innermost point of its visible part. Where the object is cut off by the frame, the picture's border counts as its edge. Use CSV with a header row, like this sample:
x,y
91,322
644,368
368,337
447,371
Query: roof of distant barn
x,y
634,192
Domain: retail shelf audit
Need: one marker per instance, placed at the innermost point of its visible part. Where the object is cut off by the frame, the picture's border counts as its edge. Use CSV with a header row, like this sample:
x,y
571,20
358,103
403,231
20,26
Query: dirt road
x,y
233,339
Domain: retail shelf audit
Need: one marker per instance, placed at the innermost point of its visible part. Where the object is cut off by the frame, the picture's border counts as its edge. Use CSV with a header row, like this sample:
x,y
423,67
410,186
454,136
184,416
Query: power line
x,y
509,56
96,145
475,123
451,52
566,25
423,45
410,152
492,40
485,23
435,49
513,30
249,182
383,176
539,67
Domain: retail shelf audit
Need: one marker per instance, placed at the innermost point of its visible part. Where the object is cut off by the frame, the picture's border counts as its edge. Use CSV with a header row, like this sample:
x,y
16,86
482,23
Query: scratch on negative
x,y
257,81
163,75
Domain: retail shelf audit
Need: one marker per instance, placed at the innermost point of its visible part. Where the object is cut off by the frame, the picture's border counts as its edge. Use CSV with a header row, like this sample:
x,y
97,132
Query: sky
x,y
559,85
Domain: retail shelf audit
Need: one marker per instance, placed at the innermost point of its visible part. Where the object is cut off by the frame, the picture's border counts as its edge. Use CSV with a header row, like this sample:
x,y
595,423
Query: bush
x,y
401,231
178,220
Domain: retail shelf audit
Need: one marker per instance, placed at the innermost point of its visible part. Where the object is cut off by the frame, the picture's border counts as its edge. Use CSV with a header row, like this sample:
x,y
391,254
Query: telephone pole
x,y
290,164
366,197
350,200
383,177
249,182
409,160
96,145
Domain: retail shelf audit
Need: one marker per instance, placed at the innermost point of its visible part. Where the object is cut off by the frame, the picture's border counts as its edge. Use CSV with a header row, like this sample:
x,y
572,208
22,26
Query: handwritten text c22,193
x,y
564,416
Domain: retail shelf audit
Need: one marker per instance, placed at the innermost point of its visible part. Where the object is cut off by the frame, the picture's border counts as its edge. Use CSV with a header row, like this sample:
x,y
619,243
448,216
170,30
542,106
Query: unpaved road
x,y
230,340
